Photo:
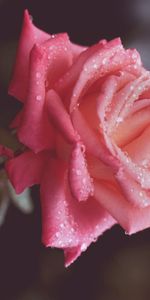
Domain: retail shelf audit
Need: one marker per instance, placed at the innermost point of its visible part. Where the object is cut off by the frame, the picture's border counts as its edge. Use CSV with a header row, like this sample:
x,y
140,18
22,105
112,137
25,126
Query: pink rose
x,y
85,120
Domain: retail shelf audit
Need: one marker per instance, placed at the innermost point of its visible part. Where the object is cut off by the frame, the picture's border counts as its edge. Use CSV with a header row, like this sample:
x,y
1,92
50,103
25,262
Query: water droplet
x,y
83,247
38,97
57,234
134,56
62,225
85,69
95,66
78,172
104,61
70,241
38,74
131,87
74,95
145,163
84,180
119,119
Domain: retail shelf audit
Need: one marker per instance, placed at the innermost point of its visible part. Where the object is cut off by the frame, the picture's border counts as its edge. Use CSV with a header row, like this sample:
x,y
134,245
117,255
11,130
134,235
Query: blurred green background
x,y
116,267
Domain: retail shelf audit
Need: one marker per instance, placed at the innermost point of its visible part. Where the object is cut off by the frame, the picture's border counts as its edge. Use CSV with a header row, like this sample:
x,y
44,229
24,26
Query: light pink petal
x,y
91,139
132,189
115,104
29,36
139,148
67,223
137,122
100,171
60,117
109,59
137,172
79,178
68,80
130,217
77,50
139,86
26,169
138,105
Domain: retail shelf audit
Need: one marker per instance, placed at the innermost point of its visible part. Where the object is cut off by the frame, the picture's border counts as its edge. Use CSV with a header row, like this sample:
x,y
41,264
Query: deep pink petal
x,y
60,117
47,62
79,178
35,130
71,254
26,169
29,36
16,122
67,223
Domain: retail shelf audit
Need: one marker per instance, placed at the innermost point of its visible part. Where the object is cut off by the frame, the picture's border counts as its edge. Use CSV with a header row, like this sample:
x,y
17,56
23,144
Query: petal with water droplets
x,y
26,169
29,36
79,178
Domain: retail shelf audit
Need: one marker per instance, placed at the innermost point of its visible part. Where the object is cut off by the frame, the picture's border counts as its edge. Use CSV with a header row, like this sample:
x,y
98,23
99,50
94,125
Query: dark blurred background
x,y
116,267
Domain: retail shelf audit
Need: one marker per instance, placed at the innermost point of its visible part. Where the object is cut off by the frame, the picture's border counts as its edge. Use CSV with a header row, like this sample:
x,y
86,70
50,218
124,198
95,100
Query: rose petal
x,y
137,122
60,116
139,148
79,177
91,140
77,50
68,80
132,189
131,218
48,62
26,169
29,36
109,59
16,122
138,173
71,254
35,130
66,222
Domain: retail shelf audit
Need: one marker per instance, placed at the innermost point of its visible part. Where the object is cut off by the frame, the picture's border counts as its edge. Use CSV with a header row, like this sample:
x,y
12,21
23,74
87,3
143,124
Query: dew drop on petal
x,y
38,74
57,234
119,120
38,97
83,247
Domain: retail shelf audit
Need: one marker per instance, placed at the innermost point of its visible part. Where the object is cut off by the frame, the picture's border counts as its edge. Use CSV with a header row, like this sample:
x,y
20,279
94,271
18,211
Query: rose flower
x,y
85,124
